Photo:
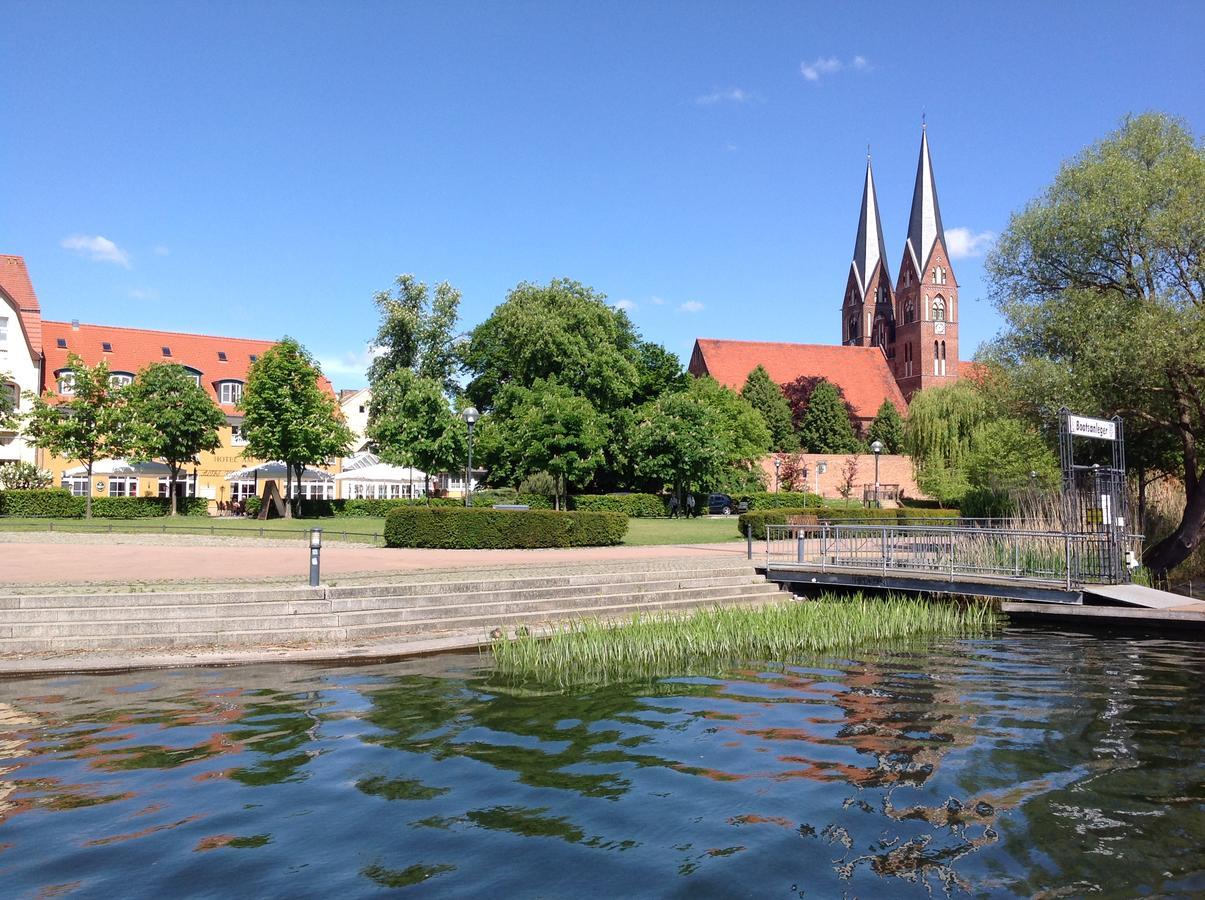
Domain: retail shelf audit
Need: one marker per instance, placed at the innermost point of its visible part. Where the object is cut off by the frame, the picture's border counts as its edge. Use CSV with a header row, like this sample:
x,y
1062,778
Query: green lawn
x,y
641,532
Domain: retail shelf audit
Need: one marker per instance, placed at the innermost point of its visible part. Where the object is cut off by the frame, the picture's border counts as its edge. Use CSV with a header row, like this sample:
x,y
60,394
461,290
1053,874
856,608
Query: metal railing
x,y
1067,559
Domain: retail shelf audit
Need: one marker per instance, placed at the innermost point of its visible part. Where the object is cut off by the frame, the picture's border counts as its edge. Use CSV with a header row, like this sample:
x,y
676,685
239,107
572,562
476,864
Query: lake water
x,y
1028,764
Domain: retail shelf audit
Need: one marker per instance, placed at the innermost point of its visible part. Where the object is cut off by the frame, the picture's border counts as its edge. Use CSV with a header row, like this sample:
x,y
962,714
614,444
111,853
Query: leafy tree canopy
x,y
887,428
826,427
174,418
565,331
1101,282
1007,455
287,415
91,424
417,332
942,425
799,395
412,424
21,475
768,399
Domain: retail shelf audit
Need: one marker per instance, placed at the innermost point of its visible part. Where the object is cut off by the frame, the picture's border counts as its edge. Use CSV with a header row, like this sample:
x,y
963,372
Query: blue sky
x,y
256,169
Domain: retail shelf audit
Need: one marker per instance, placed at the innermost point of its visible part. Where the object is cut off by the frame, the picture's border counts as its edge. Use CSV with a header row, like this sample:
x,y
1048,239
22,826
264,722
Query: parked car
x,y
723,505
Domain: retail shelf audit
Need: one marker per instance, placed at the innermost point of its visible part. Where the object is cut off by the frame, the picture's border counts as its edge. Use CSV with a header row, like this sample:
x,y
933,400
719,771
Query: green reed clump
x,y
647,644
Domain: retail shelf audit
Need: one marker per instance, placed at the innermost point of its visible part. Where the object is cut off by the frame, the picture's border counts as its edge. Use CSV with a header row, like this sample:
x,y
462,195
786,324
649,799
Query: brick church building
x,y
896,337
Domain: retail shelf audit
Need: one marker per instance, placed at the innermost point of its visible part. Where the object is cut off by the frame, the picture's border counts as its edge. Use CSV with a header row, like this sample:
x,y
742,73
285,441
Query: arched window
x,y
10,396
943,357
939,275
853,328
909,310
120,379
936,359
939,309
230,392
66,382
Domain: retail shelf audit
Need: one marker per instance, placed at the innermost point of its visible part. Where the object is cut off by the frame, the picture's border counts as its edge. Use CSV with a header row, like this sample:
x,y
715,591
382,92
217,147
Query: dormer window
x,y
230,392
120,379
66,382
106,347
167,351
61,343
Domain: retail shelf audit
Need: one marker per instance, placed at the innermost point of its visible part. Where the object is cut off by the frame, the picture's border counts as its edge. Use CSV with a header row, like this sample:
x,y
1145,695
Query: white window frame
x,y
186,480
230,392
78,485
66,383
236,436
123,486
120,379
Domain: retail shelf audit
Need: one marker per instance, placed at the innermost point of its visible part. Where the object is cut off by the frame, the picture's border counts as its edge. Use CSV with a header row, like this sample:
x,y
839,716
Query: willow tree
x,y
1101,282
942,426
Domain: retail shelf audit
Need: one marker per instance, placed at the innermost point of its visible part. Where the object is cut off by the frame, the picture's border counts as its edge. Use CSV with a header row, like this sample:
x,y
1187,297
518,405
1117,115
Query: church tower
x,y
926,294
867,313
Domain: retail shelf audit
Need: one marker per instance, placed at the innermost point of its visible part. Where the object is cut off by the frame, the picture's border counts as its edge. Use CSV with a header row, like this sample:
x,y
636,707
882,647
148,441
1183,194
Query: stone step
x,y
162,611
295,635
167,623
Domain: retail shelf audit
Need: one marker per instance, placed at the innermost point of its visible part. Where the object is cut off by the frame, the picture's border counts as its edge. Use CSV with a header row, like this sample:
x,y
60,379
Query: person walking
x,y
690,506
673,506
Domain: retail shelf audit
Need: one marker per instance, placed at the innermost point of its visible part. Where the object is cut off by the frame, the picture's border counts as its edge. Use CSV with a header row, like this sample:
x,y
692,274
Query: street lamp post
x,y
470,417
876,448
777,467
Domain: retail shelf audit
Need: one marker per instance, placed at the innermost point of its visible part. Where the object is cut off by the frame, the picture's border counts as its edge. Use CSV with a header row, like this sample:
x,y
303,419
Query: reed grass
x,y
592,650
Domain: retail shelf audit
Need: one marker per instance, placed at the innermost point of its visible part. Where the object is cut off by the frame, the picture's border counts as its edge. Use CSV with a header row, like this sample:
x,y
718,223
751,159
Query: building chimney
x,y
75,324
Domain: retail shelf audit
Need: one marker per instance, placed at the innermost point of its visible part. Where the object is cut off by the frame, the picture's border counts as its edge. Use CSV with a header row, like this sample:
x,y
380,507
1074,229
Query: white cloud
x,y
350,365
160,250
962,242
831,65
657,301
691,306
625,305
97,248
144,294
726,95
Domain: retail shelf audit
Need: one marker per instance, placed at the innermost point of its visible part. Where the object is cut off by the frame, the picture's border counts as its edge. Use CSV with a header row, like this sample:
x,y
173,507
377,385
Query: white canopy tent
x,y
107,467
381,480
122,478
315,483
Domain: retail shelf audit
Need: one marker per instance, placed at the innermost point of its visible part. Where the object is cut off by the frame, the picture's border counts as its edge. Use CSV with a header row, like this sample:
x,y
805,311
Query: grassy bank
x,y
594,651
641,532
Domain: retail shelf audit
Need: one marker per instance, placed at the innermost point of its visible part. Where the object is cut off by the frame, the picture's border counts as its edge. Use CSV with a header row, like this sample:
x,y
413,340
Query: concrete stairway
x,y
425,605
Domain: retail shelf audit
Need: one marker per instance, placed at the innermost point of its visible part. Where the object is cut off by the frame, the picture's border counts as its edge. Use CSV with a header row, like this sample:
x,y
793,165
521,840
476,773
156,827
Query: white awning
x,y
383,472
123,467
276,469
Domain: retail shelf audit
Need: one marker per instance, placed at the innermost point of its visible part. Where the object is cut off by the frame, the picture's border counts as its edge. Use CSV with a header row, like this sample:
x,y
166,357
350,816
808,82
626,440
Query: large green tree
x,y
697,437
288,415
940,432
1101,282
768,399
564,330
92,423
174,419
887,428
417,331
826,427
411,423
544,428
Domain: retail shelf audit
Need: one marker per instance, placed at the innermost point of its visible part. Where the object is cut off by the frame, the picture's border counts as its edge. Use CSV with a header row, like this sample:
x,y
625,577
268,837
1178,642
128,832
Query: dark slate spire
x,y
868,247
924,225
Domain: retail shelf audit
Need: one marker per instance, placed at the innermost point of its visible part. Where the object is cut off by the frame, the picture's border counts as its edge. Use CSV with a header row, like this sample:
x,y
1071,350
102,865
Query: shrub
x,y
856,514
145,507
56,503
533,501
490,496
780,500
927,516
252,505
367,507
637,506
984,503
499,529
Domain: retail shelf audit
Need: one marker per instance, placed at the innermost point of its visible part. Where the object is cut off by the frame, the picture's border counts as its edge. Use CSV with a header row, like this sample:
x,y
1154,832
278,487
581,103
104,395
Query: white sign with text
x,y
1081,426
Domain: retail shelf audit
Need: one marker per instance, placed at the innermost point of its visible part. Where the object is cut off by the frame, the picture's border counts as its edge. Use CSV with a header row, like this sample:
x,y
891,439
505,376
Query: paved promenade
x,y
122,558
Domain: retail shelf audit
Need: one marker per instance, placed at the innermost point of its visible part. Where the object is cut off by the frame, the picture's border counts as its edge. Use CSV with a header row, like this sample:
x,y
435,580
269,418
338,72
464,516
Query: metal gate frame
x,y
1096,500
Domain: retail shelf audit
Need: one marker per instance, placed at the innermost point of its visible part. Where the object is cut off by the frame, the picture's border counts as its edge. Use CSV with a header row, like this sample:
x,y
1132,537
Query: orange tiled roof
x,y
14,281
135,348
861,372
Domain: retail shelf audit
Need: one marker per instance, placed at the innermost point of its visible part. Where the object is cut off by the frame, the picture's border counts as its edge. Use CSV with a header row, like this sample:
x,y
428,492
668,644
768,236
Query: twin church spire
x,y
914,323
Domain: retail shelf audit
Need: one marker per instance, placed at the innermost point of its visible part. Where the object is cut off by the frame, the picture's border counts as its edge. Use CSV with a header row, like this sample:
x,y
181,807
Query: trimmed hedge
x,y
637,506
759,519
58,503
365,507
781,500
501,529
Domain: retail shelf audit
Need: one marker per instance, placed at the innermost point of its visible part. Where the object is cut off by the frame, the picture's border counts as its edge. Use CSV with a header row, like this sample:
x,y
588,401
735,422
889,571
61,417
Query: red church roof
x,y
128,350
861,372
14,281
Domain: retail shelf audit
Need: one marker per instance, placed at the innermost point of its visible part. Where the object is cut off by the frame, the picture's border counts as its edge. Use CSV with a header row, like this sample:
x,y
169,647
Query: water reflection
x,y
1024,764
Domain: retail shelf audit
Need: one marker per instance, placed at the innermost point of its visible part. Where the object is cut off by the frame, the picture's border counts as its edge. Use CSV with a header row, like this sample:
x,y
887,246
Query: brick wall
x,y
893,469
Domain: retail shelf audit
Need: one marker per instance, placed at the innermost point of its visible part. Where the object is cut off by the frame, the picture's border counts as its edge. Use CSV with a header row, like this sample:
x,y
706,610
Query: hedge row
x,y
637,506
490,496
498,529
58,503
806,515
780,500
365,507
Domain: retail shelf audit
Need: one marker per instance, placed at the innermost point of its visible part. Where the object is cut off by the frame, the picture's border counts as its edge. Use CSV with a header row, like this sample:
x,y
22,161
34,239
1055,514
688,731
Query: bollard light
x,y
315,555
